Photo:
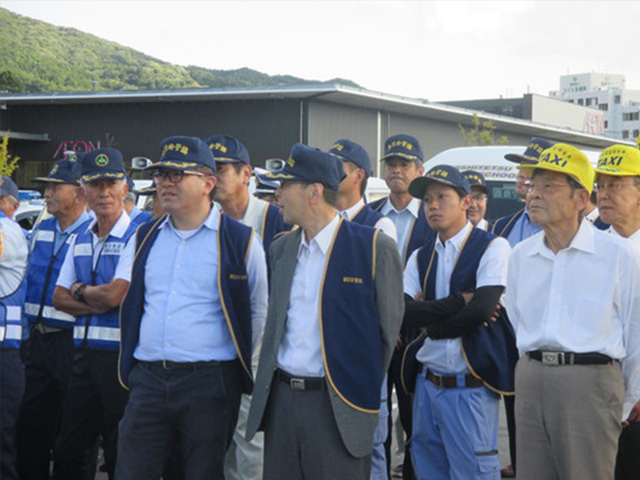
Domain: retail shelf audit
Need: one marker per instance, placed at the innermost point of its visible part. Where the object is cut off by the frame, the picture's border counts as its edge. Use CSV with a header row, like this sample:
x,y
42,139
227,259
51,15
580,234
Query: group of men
x,y
173,342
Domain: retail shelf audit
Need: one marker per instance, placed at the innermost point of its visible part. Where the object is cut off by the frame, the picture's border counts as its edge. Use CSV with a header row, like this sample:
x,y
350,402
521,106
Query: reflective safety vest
x,y
11,313
43,271
102,331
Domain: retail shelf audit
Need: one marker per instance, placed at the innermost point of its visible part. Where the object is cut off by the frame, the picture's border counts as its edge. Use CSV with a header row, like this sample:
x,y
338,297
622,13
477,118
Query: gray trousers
x,y
302,439
567,420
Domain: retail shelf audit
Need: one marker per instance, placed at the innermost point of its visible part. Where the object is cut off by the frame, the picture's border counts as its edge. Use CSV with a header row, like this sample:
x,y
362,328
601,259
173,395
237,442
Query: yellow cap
x,y
619,160
565,159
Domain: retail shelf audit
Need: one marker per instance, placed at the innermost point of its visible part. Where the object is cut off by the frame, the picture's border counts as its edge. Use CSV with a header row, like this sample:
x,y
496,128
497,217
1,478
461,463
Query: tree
x,y
8,163
481,133
10,82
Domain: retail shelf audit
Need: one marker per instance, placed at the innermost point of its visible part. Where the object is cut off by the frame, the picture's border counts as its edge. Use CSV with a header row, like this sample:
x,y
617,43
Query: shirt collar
x,y
212,221
323,238
412,207
118,230
634,237
84,216
583,240
457,241
353,211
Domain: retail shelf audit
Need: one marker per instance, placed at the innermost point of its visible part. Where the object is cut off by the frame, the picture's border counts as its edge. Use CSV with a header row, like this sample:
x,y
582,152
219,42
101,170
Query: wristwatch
x,y
78,290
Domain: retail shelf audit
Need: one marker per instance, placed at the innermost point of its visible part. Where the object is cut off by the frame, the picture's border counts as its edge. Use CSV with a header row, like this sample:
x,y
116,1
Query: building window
x,y
595,100
625,133
606,124
580,101
588,102
571,101
616,99
603,106
630,116
636,133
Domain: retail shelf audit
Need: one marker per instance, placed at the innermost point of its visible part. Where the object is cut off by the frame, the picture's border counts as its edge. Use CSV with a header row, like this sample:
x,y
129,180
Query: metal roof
x,y
334,93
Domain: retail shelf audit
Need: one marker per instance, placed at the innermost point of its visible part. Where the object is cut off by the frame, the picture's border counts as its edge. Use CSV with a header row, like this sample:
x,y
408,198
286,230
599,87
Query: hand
x,y
419,297
634,415
467,296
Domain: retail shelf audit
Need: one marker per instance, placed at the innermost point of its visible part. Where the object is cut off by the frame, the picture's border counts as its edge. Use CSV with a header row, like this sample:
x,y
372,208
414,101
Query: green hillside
x,y
36,56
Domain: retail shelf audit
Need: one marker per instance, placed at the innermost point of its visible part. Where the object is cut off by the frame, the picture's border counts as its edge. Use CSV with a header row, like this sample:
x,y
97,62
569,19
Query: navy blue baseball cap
x,y
308,164
352,152
444,174
9,188
184,153
532,153
63,171
228,149
476,179
264,184
102,163
403,146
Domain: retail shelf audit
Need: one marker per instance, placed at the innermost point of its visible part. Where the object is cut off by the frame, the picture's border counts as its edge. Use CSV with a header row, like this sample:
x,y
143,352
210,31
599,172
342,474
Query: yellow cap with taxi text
x,y
619,160
565,159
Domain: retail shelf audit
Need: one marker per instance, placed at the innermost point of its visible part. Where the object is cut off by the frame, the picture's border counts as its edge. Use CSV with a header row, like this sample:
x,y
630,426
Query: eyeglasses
x,y
174,176
479,196
612,187
544,187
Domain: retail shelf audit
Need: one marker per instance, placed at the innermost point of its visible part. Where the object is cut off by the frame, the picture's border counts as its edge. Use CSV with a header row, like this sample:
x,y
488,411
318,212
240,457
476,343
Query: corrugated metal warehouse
x,y
267,120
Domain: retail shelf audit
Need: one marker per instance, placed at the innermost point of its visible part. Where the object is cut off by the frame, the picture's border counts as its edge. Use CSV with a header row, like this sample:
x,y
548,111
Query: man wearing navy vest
x,y
403,158
48,355
455,409
233,172
13,287
518,226
190,321
92,282
351,205
334,313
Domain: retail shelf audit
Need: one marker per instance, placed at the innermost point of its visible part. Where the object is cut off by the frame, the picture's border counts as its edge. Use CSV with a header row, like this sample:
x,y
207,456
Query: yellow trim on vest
x,y
139,247
473,372
513,219
222,302
356,213
405,250
373,264
420,338
324,356
264,223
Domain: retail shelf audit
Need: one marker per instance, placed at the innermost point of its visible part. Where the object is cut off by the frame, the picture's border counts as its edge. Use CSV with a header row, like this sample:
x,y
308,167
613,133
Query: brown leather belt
x,y
450,381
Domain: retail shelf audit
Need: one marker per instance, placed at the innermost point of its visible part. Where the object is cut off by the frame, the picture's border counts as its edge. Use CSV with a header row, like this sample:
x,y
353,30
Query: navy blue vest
x,y
100,332
11,313
272,225
44,268
490,352
421,232
367,216
234,241
349,325
503,226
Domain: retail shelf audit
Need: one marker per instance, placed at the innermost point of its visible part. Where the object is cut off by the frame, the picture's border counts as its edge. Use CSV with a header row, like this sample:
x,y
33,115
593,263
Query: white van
x,y
499,173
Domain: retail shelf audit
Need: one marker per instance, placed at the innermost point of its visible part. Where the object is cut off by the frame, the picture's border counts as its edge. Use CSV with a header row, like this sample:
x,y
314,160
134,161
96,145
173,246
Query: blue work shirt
x,y
403,220
183,319
522,229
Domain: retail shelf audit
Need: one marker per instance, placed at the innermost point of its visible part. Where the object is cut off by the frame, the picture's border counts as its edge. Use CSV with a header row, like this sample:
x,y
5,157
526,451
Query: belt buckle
x,y
437,380
297,383
552,358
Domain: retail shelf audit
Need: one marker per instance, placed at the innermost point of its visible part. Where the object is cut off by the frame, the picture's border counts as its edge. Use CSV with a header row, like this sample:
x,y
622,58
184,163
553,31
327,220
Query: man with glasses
x,y
618,195
573,298
190,321
479,196
48,355
92,282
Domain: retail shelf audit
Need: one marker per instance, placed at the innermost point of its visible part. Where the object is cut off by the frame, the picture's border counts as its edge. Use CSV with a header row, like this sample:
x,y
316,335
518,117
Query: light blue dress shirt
x,y
522,229
183,319
403,220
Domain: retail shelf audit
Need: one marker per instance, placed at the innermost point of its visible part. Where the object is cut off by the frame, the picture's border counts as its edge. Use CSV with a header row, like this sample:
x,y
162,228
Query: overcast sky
x,y
427,49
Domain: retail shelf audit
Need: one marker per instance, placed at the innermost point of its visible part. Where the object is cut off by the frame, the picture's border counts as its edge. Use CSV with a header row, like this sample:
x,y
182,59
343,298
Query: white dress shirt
x,y
403,220
68,275
300,352
585,298
483,225
385,224
445,356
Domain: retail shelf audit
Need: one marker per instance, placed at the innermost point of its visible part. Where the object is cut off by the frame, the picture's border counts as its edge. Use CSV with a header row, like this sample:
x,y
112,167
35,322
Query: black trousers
x,y
628,458
405,409
187,412
48,362
93,406
11,390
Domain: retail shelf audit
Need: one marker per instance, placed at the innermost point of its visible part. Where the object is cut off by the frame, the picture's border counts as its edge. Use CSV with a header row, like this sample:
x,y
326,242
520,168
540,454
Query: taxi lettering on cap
x,y
619,160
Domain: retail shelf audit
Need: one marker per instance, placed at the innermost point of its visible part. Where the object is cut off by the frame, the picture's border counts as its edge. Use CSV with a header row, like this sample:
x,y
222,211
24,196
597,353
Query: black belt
x,y
301,383
449,381
169,365
569,358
